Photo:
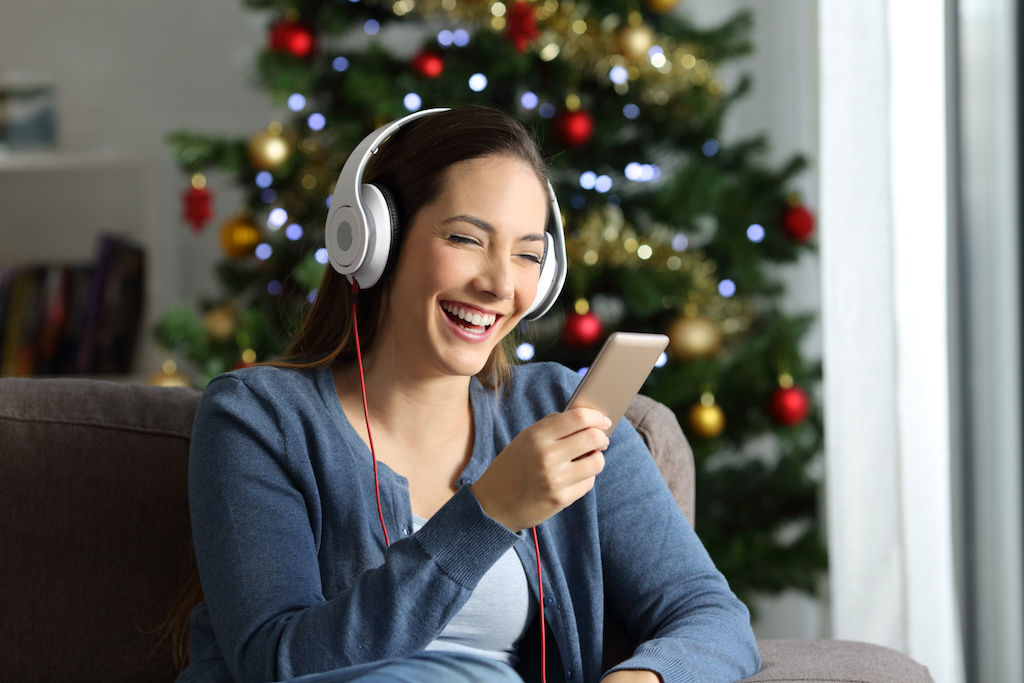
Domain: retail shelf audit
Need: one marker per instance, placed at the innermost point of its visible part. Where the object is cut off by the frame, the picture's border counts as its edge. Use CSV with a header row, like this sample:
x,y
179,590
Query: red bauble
x,y
291,37
790,405
428,64
196,209
798,223
582,330
574,128
521,25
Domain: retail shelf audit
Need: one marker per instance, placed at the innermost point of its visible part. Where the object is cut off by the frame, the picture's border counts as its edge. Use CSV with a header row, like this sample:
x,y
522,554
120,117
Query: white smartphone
x,y
616,375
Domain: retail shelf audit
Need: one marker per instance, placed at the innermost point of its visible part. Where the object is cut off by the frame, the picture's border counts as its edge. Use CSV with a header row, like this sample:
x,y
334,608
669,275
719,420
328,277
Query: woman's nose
x,y
496,279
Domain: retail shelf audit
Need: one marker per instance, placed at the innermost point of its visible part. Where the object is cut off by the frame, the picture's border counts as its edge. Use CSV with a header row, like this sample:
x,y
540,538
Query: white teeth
x,y
471,317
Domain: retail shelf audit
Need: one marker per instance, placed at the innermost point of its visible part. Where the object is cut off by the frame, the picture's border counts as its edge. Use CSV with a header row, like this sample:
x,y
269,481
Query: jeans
x,y
428,666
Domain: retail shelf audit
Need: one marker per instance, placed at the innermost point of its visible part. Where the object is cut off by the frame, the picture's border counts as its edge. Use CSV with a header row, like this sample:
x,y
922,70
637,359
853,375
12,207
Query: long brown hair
x,y
411,165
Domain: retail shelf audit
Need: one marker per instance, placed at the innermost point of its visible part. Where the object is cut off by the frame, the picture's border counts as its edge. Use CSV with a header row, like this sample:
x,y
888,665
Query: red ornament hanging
x,y
521,25
790,405
798,223
291,37
574,128
428,64
197,203
582,330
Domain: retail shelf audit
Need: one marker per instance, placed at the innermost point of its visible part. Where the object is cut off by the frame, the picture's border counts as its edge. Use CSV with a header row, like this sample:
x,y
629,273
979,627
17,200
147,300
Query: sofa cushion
x,y
95,526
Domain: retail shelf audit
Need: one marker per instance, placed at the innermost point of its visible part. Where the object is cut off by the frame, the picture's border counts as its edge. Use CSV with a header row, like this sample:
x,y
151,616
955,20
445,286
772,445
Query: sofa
x,y
95,539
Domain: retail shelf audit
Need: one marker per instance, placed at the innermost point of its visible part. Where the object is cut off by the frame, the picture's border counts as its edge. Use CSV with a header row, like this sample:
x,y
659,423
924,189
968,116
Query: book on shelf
x,y
73,318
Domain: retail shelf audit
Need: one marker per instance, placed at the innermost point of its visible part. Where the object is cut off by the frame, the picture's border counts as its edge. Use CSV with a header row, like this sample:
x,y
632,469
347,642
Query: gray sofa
x,y
94,539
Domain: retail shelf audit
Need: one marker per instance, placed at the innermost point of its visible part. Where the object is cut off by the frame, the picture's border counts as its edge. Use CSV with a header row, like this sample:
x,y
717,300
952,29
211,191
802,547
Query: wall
x,y
129,71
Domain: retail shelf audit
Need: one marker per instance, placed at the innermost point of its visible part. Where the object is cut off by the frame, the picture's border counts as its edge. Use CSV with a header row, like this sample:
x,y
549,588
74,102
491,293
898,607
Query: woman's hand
x,y
549,466
632,676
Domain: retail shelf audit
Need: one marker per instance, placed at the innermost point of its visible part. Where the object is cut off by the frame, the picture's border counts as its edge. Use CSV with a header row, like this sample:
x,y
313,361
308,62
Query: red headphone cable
x,y
540,601
366,411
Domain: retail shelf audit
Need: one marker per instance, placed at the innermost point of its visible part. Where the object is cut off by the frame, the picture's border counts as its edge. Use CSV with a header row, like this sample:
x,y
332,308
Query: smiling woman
x,y
489,495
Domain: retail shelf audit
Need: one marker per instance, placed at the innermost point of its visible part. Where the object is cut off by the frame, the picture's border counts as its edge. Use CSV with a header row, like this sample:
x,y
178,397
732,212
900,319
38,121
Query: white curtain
x,y
884,178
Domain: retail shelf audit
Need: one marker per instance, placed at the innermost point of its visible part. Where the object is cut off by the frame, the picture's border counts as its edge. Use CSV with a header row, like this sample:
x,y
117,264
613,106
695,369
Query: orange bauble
x,y
238,237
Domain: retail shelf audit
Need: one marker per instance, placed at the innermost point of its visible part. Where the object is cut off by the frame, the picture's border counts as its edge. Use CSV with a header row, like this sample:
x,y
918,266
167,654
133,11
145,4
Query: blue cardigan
x,y
297,580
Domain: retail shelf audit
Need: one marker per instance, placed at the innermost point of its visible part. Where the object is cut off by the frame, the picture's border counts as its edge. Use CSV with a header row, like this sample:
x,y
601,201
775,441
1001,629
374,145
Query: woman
x,y
308,572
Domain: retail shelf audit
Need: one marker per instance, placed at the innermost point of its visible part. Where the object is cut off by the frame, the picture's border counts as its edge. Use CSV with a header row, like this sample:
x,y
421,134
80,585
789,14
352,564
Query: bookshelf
x,y
55,208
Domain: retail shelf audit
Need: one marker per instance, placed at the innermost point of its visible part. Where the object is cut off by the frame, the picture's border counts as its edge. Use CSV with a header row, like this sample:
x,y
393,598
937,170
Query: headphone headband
x,y
349,210
361,230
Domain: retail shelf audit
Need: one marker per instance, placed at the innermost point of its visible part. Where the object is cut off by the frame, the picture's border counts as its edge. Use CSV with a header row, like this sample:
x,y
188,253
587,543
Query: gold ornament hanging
x,y
706,419
662,6
168,376
268,150
693,336
634,41
219,323
238,237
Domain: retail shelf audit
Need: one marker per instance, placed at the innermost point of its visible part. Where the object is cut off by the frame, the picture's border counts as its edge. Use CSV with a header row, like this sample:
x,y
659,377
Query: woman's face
x,y
468,268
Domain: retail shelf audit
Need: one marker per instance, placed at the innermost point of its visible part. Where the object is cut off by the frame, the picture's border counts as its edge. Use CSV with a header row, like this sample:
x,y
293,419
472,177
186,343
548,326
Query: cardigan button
x,y
465,481
549,601
568,674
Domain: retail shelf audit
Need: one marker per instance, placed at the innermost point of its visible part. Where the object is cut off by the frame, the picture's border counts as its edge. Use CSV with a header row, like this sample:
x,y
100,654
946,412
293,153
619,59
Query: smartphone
x,y
617,373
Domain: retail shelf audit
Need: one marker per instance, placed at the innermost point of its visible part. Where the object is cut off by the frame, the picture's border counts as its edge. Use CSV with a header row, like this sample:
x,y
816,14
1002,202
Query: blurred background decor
x,y
669,228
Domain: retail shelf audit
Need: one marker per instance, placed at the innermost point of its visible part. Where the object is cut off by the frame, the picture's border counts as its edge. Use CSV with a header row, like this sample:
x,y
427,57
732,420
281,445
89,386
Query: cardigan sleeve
x,y
661,580
252,504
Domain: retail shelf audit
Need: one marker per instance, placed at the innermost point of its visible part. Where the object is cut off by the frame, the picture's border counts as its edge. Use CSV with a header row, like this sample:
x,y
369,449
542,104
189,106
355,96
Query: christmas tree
x,y
669,228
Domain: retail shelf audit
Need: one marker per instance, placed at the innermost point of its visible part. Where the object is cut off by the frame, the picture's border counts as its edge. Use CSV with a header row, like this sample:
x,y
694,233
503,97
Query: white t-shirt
x,y
494,619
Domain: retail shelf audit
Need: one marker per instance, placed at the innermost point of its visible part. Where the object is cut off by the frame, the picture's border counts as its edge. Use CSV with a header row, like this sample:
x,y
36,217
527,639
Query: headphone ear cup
x,y
381,213
396,228
546,283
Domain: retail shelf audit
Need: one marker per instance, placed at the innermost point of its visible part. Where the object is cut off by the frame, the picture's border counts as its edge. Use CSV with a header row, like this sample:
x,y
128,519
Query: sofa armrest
x,y
835,660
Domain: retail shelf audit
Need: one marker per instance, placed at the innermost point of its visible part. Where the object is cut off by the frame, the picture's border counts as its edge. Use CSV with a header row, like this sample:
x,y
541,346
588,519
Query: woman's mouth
x,y
471,320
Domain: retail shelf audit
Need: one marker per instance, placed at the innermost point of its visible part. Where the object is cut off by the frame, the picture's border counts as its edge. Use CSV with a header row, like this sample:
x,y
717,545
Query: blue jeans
x,y
427,666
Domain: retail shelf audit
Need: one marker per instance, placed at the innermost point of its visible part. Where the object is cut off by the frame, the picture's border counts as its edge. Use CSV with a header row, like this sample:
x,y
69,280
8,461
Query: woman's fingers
x,y
546,468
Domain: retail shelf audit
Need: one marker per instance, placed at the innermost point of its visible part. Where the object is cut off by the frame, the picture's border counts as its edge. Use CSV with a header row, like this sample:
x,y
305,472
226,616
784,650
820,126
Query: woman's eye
x,y
461,239
533,258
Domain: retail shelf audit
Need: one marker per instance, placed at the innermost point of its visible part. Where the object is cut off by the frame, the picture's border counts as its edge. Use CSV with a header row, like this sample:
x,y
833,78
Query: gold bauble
x,y
268,150
694,336
238,237
662,6
219,323
706,419
168,376
634,41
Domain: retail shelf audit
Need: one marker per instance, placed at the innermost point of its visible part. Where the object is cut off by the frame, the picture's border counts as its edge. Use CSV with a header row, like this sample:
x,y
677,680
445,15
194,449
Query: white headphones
x,y
362,227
